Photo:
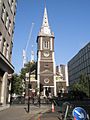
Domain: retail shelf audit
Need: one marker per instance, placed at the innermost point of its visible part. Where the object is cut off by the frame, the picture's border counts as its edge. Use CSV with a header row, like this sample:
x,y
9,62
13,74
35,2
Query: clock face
x,y
46,30
46,53
46,80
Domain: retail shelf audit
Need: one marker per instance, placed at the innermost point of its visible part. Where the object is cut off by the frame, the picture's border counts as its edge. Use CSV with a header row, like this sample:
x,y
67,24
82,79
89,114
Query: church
x,y
51,79
45,57
46,68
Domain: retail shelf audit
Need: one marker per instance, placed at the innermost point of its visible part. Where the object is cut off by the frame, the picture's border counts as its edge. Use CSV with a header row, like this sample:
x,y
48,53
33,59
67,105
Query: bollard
x,y
53,109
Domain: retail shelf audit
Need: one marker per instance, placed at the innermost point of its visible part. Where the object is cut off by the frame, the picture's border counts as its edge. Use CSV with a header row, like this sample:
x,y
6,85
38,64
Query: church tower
x,y
45,58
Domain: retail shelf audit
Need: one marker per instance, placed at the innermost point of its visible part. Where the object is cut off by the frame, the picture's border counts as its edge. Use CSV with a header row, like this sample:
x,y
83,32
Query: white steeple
x,y
45,28
45,19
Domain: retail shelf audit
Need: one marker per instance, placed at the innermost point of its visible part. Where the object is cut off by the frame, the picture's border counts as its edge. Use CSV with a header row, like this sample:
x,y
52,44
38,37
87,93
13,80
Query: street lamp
x,y
29,87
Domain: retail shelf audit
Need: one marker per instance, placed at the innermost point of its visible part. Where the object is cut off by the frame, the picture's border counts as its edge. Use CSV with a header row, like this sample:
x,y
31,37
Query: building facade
x,y
62,71
7,21
30,79
46,69
61,79
79,64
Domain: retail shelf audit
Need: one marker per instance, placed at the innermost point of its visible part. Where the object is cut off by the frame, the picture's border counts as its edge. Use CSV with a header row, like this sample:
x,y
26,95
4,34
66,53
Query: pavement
x,y
50,116
19,112
3,107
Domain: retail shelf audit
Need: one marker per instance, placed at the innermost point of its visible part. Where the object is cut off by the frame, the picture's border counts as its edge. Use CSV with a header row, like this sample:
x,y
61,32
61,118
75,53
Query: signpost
x,y
79,113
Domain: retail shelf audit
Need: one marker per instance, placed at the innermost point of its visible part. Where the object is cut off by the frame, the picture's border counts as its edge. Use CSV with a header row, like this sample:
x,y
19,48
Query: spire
x,y
45,19
45,28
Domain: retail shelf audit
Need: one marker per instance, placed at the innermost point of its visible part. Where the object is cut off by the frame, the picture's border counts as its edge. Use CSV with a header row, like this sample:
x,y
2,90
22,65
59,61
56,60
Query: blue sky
x,y
68,19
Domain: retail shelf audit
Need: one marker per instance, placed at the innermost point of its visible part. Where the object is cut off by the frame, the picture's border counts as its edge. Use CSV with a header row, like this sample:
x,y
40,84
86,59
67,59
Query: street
x,y
20,112
44,112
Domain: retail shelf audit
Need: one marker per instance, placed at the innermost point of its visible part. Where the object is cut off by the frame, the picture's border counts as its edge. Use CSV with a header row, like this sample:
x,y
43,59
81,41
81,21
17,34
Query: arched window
x,y
46,44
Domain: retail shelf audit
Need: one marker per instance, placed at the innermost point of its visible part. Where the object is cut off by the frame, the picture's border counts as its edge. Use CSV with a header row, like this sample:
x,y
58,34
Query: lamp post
x,y
29,87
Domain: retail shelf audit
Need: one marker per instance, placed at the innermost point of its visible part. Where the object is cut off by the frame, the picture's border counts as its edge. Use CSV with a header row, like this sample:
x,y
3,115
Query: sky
x,y
68,19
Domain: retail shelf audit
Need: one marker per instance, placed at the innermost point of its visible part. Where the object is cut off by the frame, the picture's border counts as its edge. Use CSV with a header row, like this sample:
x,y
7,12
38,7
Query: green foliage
x,y
29,67
17,85
83,85
17,81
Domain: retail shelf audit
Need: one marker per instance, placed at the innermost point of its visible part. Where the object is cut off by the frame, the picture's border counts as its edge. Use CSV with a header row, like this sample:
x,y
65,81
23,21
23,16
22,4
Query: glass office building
x,y
79,64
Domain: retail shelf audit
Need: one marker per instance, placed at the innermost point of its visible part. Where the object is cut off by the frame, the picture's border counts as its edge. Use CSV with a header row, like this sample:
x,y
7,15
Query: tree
x,y
17,82
16,85
29,67
83,85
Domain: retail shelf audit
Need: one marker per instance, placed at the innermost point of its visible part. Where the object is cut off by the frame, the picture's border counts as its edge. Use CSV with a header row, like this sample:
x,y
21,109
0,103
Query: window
x,y
89,55
4,47
7,20
3,13
12,6
7,52
14,16
0,41
46,44
9,1
10,56
9,28
46,66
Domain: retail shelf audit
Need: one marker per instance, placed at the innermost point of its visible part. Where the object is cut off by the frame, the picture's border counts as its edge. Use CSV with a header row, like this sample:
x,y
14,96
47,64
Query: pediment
x,y
46,72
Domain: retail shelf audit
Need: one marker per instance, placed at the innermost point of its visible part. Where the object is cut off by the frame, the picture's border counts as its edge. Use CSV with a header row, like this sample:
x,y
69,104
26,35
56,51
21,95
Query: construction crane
x,y
25,50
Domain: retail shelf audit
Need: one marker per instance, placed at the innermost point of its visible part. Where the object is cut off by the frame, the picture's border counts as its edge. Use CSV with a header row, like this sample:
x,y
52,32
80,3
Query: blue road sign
x,y
79,113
